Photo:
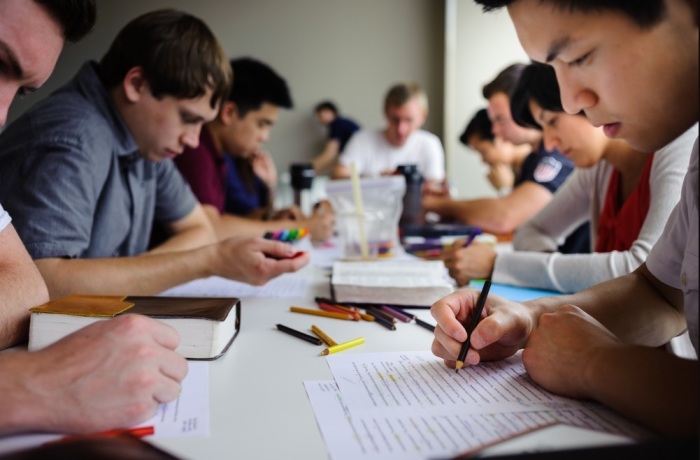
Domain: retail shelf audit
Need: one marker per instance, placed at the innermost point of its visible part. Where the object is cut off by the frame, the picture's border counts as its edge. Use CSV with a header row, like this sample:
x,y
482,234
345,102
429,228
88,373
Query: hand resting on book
x,y
111,374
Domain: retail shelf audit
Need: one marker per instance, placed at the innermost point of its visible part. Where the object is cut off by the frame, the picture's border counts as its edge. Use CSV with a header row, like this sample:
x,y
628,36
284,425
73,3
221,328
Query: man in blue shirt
x,y
340,130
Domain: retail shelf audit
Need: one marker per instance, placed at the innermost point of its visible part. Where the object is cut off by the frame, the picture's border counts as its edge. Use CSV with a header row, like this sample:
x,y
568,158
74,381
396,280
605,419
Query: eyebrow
x,y
191,116
557,48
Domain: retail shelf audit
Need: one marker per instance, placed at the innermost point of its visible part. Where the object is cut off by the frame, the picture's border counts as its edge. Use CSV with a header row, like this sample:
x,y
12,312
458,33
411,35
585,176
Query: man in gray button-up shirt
x,y
86,172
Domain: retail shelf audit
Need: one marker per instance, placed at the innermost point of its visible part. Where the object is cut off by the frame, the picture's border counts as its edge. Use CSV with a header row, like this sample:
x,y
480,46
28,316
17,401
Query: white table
x,y
259,408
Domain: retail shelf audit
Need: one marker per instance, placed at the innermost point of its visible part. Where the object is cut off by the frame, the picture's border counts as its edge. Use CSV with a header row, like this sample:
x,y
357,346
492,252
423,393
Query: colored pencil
x,y
332,308
327,314
325,337
425,324
395,313
299,334
343,346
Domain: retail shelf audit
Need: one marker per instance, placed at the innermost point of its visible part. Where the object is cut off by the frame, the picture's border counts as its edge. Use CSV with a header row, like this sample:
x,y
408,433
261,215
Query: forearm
x,y
21,287
148,274
488,213
21,412
630,306
648,385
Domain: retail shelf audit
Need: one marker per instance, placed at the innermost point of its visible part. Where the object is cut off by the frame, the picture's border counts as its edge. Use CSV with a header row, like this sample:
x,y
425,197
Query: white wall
x,y
350,51
477,46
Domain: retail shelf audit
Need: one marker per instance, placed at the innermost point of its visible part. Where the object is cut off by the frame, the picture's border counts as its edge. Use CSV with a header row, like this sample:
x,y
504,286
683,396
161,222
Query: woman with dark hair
x,y
626,194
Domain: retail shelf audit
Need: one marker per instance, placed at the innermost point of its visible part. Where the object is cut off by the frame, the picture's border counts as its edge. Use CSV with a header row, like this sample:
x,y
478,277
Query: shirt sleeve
x,y
550,171
435,155
174,198
54,202
353,151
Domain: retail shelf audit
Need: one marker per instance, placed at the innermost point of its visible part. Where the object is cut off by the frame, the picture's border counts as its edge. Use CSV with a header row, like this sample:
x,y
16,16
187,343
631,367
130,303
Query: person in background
x,y
501,156
627,195
340,130
97,170
538,174
228,172
110,374
632,67
380,152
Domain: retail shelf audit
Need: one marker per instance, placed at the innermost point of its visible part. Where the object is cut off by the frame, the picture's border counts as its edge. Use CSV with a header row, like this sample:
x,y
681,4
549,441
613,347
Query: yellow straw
x,y
358,208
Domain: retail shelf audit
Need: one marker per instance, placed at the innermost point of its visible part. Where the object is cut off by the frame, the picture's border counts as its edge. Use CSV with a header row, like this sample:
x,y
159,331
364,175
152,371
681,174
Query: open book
x,y
404,282
207,325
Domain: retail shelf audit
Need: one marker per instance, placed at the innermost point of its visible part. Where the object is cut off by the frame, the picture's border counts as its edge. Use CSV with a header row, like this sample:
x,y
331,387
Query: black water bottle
x,y
412,200
302,175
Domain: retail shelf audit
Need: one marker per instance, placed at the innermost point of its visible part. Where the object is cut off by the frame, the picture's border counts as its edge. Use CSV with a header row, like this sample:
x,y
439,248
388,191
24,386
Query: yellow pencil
x,y
343,346
327,314
317,330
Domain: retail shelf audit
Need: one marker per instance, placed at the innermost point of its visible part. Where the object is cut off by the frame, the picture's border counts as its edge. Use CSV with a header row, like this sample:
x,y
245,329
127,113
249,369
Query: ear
x,y
228,113
134,84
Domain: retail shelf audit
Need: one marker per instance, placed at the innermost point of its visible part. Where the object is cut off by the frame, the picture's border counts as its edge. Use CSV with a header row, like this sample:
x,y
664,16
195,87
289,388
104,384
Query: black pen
x,y
472,325
301,335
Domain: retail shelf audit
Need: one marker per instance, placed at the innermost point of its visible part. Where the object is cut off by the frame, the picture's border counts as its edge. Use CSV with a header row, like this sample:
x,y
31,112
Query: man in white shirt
x,y
380,152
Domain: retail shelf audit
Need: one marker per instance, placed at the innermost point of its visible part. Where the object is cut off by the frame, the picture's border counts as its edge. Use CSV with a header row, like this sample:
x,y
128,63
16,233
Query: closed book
x,y
207,325
405,282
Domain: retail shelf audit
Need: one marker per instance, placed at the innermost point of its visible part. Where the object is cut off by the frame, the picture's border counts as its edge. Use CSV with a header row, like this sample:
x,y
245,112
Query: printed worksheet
x,y
188,415
286,285
409,405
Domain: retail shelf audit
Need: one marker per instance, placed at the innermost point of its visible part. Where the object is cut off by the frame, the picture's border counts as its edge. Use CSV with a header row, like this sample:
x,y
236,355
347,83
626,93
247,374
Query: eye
x,y
579,61
552,122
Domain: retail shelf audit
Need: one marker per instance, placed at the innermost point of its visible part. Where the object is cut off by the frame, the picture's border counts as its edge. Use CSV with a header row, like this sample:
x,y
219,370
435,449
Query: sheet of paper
x,y
287,285
409,405
186,416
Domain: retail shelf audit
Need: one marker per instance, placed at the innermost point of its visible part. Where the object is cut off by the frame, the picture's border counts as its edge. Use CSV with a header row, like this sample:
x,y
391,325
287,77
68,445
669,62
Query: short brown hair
x,y
179,55
401,93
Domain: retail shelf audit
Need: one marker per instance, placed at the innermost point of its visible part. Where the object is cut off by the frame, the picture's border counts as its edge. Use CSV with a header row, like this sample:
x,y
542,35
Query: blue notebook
x,y
514,293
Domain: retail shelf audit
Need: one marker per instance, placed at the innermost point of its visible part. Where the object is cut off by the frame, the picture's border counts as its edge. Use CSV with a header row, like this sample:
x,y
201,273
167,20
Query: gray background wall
x,y
347,50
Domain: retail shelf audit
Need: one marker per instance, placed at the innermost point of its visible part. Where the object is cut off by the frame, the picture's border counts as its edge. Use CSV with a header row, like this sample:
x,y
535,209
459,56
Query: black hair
x,y
504,82
255,83
76,17
645,13
479,125
326,105
539,83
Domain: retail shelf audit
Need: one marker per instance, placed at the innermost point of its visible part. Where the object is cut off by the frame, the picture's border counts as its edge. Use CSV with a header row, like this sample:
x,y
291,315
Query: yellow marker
x,y
317,330
343,346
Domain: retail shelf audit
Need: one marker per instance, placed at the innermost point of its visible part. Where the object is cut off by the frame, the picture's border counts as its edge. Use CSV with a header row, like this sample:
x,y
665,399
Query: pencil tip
x,y
459,365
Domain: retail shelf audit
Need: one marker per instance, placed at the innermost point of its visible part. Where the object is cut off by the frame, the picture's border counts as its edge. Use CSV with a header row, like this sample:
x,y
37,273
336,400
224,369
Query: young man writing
x,y
621,63
89,169
110,374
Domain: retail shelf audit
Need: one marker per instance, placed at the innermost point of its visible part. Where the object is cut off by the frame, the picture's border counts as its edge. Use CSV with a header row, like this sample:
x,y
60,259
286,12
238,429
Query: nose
x,y
264,136
551,141
190,137
575,96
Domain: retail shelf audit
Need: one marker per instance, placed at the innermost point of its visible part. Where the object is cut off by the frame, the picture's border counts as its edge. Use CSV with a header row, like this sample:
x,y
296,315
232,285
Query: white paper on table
x,y
286,285
409,405
188,415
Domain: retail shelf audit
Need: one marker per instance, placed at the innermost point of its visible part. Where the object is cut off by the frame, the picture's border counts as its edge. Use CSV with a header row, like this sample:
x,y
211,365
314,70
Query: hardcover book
x,y
207,325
